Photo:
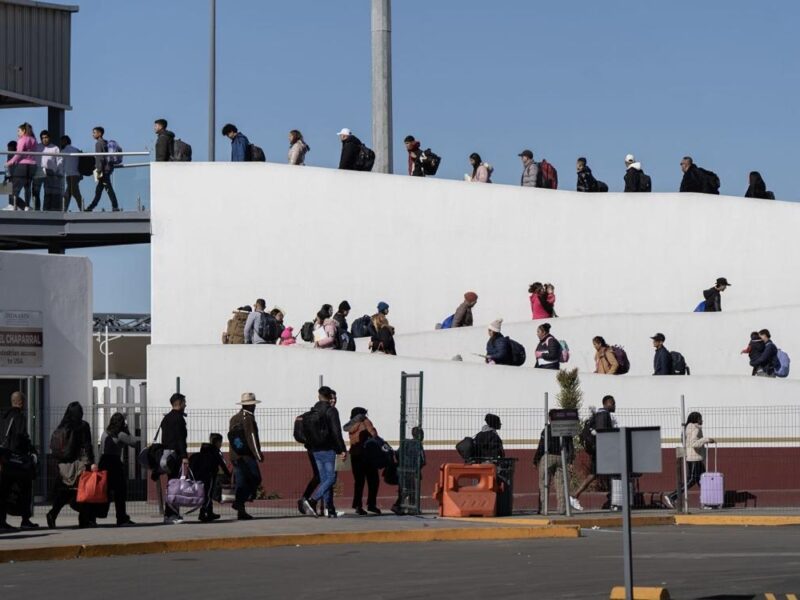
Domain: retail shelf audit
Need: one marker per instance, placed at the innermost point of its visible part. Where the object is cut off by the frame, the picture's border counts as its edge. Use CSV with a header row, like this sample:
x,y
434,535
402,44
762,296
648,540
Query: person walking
x,y
328,396
360,429
103,168
414,157
635,178
713,297
50,174
481,171
206,466
498,348
240,145
548,352
114,440
757,188
662,361
351,147
165,141
18,468
530,170
586,181
543,300
766,363
324,438
753,349
605,361
325,329
601,419
23,166
550,467
696,179
245,453
383,336
695,456
463,315
77,457
175,457
488,444
72,174
253,323
297,148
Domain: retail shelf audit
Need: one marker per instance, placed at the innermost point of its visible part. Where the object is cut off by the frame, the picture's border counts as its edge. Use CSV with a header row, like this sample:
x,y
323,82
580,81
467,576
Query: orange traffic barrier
x,y
466,490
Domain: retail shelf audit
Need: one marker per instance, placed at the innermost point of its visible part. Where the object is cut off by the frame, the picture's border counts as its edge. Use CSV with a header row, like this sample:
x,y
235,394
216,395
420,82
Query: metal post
x,y
212,82
546,454
418,465
178,385
321,380
382,84
685,494
105,355
565,476
627,551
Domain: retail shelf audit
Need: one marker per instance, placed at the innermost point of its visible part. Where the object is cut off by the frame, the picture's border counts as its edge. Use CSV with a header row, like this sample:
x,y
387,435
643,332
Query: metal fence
x,y
758,453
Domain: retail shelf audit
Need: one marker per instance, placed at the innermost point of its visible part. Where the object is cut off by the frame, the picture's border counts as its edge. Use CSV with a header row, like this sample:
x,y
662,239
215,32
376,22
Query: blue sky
x,y
600,79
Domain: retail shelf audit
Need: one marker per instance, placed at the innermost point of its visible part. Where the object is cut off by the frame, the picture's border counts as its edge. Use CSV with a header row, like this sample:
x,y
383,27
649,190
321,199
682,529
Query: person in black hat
x,y
488,444
530,171
712,295
662,361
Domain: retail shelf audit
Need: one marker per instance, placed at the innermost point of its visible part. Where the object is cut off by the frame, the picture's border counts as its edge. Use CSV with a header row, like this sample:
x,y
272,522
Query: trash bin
x,y
505,490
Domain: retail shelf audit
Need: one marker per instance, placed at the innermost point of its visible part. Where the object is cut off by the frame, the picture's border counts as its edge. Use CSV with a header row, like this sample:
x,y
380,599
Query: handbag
x,y
71,471
150,456
186,491
93,487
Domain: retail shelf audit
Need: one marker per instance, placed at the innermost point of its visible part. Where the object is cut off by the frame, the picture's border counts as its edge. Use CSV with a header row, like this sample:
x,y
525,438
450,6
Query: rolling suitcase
x,y
712,486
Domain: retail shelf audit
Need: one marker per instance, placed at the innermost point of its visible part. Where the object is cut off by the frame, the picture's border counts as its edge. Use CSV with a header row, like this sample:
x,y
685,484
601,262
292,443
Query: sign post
x,y
564,423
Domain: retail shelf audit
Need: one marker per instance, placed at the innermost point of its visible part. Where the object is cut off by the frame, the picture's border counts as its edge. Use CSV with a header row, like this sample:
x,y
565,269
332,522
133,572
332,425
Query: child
x,y
205,467
412,456
754,349
287,337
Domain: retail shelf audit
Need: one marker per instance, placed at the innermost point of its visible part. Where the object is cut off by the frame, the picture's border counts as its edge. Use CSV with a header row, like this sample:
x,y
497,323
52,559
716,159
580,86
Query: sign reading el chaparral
x,y
21,340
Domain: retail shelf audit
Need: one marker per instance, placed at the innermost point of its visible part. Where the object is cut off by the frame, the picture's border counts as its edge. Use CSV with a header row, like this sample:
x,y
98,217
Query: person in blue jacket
x,y
239,143
766,362
498,348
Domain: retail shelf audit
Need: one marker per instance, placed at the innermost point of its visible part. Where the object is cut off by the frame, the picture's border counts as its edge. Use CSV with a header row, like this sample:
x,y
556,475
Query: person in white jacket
x,y
695,455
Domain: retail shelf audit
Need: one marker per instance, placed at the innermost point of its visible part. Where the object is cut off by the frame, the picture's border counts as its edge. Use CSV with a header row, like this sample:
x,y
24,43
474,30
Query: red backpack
x,y
548,176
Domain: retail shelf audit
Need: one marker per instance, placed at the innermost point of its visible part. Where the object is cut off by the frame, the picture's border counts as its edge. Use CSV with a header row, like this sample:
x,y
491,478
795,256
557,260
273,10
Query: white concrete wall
x,y
710,342
61,288
225,234
214,376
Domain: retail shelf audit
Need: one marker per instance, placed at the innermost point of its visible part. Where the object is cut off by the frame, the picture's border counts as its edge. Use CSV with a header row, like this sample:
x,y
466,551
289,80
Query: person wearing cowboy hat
x,y
245,453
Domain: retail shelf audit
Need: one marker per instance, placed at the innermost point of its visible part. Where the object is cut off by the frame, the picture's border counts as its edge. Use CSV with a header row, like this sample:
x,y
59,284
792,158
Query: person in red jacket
x,y
543,300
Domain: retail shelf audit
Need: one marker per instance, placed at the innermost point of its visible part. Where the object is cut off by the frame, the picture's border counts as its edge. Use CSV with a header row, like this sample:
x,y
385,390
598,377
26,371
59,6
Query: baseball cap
x,y
722,281
630,158
345,131
659,337
527,153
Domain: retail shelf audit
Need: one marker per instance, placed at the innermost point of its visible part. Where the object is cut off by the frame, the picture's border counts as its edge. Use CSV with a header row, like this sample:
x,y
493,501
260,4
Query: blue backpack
x,y
782,362
448,322
113,146
701,307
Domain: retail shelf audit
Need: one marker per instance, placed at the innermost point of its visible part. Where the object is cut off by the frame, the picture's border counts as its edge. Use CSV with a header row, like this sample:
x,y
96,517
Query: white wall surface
x,y
61,288
227,233
710,342
214,376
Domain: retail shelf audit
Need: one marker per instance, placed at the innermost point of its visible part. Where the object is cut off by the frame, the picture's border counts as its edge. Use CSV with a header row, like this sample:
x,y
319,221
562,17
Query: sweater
x,y
24,144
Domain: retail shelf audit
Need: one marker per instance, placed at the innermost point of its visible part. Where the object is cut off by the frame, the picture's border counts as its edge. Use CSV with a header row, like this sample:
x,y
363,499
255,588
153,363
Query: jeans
x,y
326,464
248,478
37,185
21,179
694,469
104,183
73,191
314,482
364,472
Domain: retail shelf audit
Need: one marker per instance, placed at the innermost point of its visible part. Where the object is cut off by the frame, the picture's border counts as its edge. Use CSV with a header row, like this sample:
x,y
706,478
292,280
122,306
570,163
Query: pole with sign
x,y
564,423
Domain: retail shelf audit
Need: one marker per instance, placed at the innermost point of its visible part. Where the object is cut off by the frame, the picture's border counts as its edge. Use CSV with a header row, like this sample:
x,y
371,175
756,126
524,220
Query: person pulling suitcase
x,y
695,450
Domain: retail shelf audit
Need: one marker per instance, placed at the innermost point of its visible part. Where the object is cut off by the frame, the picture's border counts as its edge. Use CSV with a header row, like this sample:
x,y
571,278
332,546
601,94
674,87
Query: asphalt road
x,y
693,562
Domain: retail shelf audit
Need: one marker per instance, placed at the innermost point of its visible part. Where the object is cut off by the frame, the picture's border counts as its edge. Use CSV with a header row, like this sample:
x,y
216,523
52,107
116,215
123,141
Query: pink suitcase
x,y
712,486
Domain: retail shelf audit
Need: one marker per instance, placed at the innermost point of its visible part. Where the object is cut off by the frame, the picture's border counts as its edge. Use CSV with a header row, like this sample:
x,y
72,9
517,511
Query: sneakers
x,y
174,520
374,510
311,503
307,509
361,512
573,502
668,502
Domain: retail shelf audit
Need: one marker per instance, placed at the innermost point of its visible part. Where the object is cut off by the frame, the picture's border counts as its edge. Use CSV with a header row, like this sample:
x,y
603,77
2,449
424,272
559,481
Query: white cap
x,y
496,325
630,158
344,131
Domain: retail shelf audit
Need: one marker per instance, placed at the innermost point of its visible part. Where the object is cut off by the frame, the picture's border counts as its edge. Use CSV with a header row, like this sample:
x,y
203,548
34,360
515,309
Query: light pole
x,y
382,84
212,82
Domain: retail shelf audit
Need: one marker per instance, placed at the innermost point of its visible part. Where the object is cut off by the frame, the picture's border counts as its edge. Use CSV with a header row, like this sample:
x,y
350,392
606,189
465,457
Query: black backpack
x,y
645,183
255,154
316,429
60,443
181,151
345,341
307,332
466,448
365,159
299,433
86,165
430,162
710,181
517,353
588,441
679,364
600,186
361,327
268,328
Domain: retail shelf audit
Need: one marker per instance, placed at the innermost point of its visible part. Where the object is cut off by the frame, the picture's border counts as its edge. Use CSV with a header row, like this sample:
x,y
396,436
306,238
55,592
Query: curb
x,y
273,541
645,521
740,520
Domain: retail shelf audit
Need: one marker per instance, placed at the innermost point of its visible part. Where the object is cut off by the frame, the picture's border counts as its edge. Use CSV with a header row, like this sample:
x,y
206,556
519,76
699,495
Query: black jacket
x,y
207,463
164,145
633,180
341,322
553,446
350,149
602,420
498,349
767,359
80,443
662,362
173,433
383,341
713,300
551,349
759,190
586,181
14,432
335,441
488,445
693,181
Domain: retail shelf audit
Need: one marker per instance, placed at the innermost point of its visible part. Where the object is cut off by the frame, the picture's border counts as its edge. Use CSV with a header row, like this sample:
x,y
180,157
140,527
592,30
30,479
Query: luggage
x,y
93,487
186,492
712,486
466,448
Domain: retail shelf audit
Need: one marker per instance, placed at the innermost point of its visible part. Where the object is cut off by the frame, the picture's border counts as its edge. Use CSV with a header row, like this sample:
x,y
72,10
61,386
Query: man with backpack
x,y
713,298
662,361
766,363
240,145
530,170
165,141
18,460
351,147
324,394
586,181
260,326
601,420
344,339
72,173
103,168
696,179
174,439
414,157
245,453
463,315
635,178
322,430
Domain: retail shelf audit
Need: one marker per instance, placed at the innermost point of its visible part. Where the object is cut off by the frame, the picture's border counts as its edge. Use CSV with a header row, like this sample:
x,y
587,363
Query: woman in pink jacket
x,y
543,300
23,166
481,171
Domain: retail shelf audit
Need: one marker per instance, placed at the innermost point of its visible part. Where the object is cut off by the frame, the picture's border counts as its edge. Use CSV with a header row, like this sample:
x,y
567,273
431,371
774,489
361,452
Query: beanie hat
x,y
382,306
492,421
496,325
358,410
471,297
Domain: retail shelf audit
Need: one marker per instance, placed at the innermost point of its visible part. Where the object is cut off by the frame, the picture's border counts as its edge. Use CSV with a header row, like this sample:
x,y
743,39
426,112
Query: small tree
x,y
570,394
